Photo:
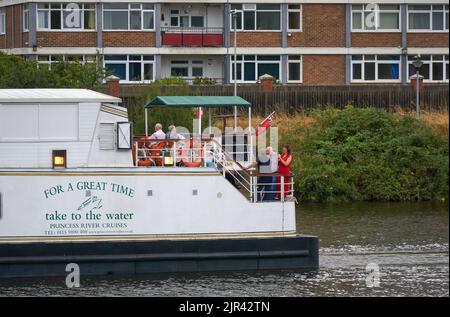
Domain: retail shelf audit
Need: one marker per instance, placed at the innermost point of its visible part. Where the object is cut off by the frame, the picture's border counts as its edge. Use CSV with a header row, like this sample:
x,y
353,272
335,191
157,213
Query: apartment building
x,y
308,42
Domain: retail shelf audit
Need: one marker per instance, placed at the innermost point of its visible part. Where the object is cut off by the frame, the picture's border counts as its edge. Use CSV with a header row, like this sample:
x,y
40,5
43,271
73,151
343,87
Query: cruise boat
x,y
77,186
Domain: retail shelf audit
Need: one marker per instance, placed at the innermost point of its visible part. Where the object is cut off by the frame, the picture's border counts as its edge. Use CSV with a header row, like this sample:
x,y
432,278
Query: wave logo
x,y
373,275
72,16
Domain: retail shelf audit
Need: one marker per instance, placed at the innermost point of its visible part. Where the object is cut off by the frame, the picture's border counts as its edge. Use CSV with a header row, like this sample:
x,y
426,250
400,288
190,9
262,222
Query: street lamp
x,y
417,63
234,14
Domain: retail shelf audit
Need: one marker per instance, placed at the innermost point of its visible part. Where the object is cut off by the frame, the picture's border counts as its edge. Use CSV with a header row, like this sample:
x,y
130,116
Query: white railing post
x,y
251,188
203,153
291,180
136,151
255,188
175,147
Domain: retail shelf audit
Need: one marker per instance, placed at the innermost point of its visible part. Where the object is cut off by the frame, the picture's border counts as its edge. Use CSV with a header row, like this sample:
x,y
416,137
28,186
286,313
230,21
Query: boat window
x,y
106,136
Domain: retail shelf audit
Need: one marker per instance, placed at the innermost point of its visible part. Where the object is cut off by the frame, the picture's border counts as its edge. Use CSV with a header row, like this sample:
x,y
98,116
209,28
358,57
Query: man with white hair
x,y
158,134
268,164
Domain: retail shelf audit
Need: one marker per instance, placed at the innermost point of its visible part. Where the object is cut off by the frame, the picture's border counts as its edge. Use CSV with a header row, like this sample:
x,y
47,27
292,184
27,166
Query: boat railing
x,y
208,152
257,187
190,152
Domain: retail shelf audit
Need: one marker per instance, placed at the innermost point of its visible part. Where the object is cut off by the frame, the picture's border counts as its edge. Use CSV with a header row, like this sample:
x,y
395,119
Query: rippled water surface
x,y
407,241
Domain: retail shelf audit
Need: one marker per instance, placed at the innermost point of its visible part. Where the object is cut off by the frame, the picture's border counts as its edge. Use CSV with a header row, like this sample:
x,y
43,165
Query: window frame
x,y
300,11
189,65
429,63
180,15
295,61
129,9
52,59
363,11
25,18
127,63
430,14
2,21
62,10
257,62
255,10
377,62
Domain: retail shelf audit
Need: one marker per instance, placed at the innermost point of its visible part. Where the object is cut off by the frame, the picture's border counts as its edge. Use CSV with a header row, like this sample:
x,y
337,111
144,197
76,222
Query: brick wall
x,y
376,39
25,39
14,36
66,39
129,39
2,41
9,26
257,39
323,69
427,39
323,25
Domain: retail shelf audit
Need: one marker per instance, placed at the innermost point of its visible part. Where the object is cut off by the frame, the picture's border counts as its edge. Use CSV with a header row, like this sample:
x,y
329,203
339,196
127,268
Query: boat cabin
x,y
63,128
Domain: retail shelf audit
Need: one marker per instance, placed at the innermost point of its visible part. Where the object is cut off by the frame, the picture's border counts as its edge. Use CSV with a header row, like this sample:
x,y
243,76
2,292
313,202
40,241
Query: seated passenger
x,y
173,135
158,134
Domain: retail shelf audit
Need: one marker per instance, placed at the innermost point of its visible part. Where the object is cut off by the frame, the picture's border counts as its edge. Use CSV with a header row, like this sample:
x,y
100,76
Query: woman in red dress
x,y
284,168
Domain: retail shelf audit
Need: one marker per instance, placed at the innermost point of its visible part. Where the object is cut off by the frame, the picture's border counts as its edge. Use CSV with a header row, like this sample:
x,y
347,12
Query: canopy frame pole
x,y
209,120
250,141
146,122
234,14
200,122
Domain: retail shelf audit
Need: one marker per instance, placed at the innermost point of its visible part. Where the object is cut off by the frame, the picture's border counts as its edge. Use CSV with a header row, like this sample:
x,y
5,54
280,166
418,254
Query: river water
x,y
406,245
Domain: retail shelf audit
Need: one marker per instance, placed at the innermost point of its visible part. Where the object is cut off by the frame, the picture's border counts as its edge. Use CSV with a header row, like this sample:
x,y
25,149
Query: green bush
x,y
17,72
369,154
204,81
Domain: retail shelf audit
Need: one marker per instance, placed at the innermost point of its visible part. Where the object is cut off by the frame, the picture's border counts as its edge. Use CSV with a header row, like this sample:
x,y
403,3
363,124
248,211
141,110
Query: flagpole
x,y
270,115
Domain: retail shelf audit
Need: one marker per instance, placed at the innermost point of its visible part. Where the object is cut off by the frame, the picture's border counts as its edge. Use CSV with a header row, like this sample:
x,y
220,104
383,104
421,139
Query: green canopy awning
x,y
198,101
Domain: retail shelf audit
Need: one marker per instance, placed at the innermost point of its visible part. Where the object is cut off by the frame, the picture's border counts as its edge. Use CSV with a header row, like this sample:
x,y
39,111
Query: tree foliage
x,y
17,72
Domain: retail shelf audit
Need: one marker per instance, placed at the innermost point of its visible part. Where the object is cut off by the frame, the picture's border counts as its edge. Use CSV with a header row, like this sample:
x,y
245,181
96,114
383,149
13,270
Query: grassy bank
x,y
367,154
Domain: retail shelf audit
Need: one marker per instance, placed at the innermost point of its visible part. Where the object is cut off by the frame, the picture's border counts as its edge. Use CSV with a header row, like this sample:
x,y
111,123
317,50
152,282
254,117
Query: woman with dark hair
x,y
284,168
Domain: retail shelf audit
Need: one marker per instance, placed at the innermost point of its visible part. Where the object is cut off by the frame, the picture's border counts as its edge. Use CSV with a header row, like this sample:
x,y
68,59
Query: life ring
x,y
146,162
196,163
192,164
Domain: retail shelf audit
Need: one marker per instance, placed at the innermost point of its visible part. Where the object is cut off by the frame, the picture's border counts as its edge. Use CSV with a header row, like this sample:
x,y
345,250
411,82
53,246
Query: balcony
x,y
192,36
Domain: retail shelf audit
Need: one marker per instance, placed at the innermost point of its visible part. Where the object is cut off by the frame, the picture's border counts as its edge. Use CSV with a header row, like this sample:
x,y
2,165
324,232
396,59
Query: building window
x,y
428,17
435,67
186,69
295,68
66,16
2,21
128,16
49,60
260,17
183,20
294,17
375,68
131,68
250,67
374,17
25,18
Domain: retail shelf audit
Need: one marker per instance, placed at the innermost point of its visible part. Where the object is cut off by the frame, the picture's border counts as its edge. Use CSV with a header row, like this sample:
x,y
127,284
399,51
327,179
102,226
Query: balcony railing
x,y
195,36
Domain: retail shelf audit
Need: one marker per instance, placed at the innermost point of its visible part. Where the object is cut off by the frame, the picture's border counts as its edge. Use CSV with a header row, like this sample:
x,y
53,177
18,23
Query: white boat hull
x,y
136,203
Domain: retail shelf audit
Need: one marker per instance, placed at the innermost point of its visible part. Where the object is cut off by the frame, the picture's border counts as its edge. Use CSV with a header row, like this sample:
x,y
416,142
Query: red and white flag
x,y
265,124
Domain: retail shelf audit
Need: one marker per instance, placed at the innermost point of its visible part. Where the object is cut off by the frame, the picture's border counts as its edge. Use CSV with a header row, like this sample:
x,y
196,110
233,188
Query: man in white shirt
x,y
268,164
158,134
